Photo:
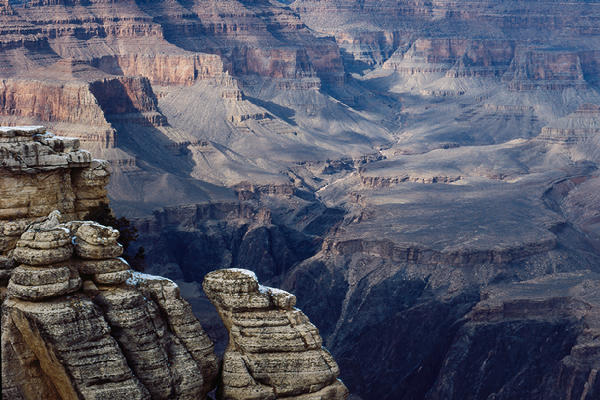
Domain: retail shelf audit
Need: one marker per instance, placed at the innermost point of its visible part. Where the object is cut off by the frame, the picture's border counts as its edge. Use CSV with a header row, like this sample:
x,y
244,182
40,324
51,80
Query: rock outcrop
x,y
41,251
163,69
190,96
548,325
78,323
119,334
582,126
274,351
40,173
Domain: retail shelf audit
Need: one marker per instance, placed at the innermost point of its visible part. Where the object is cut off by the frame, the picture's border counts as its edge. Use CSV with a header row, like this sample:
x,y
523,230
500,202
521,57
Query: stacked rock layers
x,y
77,323
274,351
39,173
125,335
99,252
42,251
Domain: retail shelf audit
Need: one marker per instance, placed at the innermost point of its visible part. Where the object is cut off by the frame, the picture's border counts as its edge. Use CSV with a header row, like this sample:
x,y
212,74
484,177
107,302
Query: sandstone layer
x,y
77,323
41,173
274,351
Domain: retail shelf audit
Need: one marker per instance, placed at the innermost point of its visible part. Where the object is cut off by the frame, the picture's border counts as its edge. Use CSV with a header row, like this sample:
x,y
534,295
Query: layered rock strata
x,y
124,335
582,126
42,250
550,322
98,249
40,173
78,323
274,351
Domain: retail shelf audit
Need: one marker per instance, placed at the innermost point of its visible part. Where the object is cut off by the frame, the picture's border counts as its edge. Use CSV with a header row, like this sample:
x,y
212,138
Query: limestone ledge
x,y
31,147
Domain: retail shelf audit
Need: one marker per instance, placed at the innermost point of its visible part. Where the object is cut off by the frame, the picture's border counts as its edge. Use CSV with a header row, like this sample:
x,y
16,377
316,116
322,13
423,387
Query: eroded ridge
x,y
274,351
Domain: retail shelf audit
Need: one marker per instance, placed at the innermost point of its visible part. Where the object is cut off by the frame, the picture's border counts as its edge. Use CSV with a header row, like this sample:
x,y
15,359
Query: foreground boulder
x,y
274,351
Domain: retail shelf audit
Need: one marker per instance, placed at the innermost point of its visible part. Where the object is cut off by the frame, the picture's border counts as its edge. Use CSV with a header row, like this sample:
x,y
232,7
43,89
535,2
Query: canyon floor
x,y
422,175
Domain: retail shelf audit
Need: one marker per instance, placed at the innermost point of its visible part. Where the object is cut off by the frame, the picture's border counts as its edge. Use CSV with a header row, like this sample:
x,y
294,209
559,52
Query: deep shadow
x,y
284,113
130,106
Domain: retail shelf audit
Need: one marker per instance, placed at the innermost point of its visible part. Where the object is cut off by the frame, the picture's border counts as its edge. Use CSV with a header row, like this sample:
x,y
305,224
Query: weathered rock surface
x,y
274,351
62,348
130,336
41,173
581,127
126,336
78,323
449,92
103,82
41,250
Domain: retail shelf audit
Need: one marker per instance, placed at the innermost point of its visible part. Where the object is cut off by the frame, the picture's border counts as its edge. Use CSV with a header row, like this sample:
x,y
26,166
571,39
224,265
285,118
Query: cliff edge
x,y
78,323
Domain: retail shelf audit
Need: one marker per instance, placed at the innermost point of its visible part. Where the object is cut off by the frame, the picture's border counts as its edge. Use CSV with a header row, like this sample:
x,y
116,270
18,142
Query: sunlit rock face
x,y
62,60
274,351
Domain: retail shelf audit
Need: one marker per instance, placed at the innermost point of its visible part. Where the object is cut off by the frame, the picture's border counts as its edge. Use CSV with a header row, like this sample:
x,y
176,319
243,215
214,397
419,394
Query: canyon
x,y
78,323
422,175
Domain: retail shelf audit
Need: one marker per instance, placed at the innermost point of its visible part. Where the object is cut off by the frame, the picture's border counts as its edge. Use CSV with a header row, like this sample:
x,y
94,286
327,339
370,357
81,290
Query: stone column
x,y
274,351
43,252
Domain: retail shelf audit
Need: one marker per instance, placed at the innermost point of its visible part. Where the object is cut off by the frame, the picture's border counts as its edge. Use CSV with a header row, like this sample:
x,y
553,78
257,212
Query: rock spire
x,y
274,351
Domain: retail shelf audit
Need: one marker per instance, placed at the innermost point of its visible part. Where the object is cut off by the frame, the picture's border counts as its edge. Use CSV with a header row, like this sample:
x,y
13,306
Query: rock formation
x,y
40,173
444,101
41,251
78,323
580,127
550,324
274,351
118,335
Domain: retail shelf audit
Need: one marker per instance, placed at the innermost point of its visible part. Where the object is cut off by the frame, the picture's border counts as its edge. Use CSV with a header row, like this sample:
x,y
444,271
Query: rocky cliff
x,y
41,173
61,56
392,163
78,323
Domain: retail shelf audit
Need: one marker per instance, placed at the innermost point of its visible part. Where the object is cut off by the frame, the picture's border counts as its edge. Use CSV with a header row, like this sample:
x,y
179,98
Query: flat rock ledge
x,y
274,351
